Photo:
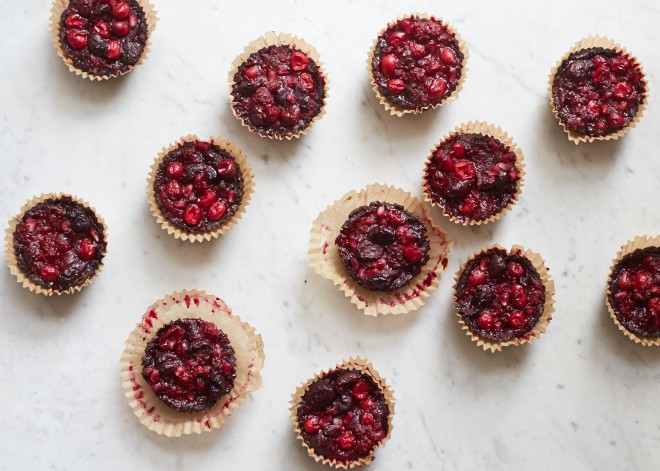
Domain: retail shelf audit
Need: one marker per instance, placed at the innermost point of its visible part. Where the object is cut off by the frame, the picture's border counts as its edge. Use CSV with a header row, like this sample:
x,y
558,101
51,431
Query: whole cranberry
x,y
75,21
227,169
298,61
346,440
114,49
307,82
477,277
253,71
208,198
396,86
49,273
121,10
216,211
458,148
101,28
486,320
448,56
192,215
120,28
616,120
412,253
388,65
436,87
312,425
464,170
517,319
640,281
174,170
360,390
77,39
516,269
290,116
87,249
625,281
396,38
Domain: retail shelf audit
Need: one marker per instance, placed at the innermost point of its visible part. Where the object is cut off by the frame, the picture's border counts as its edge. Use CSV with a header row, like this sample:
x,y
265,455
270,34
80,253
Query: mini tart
x,y
198,415
475,174
343,414
101,39
278,86
598,91
416,63
503,297
56,245
198,189
325,259
633,290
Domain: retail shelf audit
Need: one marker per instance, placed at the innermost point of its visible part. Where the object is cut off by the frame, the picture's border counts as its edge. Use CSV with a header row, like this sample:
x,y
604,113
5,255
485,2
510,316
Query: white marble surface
x,y
583,397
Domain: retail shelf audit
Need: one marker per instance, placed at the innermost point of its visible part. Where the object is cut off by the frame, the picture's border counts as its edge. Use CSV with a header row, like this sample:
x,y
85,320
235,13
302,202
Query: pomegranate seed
x,y
298,61
380,212
49,273
132,20
77,39
412,253
75,21
120,28
396,38
360,390
396,86
216,211
121,10
388,65
464,170
101,28
517,319
192,215
87,249
227,169
114,49
485,321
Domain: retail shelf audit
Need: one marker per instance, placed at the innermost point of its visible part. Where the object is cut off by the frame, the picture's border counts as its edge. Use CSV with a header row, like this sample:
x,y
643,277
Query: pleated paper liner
x,y
56,13
279,39
638,243
397,110
486,129
355,364
325,260
11,255
605,43
546,315
248,349
248,188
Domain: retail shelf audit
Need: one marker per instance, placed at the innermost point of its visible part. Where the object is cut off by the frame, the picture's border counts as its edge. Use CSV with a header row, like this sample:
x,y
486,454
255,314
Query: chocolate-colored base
x,y
198,187
417,63
500,296
383,246
598,91
59,244
278,91
472,176
635,292
103,39
189,364
343,415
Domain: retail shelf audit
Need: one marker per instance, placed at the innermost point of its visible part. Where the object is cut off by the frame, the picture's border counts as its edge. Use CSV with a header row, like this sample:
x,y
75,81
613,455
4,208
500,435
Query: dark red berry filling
x,y
59,244
103,37
189,364
635,292
417,62
343,415
279,90
383,246
500,295
472,176
198,186
598,91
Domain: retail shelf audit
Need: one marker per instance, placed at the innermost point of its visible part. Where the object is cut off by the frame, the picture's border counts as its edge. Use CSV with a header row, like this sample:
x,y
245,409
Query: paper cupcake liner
x,y
59,6
605,43
248,349
546,315
638,243
279,39
397,110
325,260
356,364
486,129
12,261
248,188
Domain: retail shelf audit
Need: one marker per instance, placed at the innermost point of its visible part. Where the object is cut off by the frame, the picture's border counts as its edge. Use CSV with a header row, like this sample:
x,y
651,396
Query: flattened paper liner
x,y
11,255
639,242
325,260
480,127
356,364
248,349
605,43
248,188
392,107
279,39
56,13
548,307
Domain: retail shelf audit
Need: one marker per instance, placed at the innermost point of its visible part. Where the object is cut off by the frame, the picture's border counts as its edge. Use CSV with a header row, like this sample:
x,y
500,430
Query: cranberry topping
x,y
500,295
417,63
59,244
343,415
103,37
598,91
198,186
635,292
189,364
383,246
472,176
279,90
